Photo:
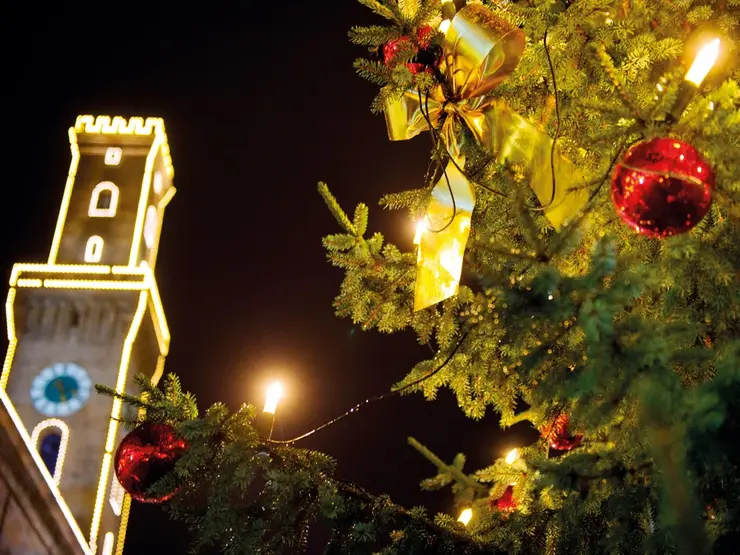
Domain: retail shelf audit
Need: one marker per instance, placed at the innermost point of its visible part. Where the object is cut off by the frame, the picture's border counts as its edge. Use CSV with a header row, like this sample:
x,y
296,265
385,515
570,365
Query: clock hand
x,y
62,393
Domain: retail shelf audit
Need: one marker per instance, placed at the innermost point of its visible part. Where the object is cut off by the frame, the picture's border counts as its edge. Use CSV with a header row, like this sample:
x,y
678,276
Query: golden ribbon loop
x,y
479,50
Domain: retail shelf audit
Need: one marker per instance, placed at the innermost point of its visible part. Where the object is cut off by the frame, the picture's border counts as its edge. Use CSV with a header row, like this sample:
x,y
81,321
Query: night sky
x,y
260,102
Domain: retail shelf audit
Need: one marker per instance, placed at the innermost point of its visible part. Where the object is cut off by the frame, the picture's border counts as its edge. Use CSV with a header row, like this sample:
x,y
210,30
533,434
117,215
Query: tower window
x,y
94,249
49,450
50,438
150,227
157,182
113,156
104,200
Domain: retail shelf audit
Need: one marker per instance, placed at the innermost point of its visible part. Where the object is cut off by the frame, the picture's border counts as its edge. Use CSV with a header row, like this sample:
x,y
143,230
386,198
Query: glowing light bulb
x,y
274,394
421,227
512,456
703,63
465,516
448,12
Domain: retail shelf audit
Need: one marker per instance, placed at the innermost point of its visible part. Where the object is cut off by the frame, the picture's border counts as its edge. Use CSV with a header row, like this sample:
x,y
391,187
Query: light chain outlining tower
x,y
91,314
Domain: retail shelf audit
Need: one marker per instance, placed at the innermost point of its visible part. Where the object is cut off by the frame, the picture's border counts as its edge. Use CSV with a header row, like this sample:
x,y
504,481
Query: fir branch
x,y
381,8
374,35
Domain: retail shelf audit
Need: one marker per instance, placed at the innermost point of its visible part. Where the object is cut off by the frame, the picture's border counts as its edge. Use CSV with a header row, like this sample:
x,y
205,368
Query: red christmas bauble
x,y
506,503
146,455
426,57
662,187
558,435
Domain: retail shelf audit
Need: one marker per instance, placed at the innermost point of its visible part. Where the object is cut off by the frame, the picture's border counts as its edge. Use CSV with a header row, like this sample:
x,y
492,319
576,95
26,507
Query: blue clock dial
x,y
61,389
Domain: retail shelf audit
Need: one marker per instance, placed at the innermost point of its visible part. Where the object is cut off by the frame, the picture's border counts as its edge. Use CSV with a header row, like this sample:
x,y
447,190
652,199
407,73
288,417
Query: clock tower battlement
x,y
119,183
91,314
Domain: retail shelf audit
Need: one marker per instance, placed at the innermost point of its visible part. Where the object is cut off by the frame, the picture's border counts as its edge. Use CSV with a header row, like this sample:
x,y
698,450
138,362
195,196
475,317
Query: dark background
x,y
260,102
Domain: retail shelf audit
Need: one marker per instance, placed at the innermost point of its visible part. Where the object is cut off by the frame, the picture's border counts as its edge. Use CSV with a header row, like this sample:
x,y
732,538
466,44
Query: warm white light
x,y
512,456
113,156
107,544
274,394
64,429
157,182
421,227
94,249
150,226
117,494
109,211
444,25
465,516
703,63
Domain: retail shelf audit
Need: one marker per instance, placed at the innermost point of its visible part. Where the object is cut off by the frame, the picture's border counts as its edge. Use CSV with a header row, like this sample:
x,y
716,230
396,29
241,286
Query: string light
x,y
94,210
358,406
135,276
700,68
64,429
45,474
465,516
108,544
94,249
113,155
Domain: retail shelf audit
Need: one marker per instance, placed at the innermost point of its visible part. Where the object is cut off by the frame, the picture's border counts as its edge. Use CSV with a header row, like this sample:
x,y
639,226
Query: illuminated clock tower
x,y
91,314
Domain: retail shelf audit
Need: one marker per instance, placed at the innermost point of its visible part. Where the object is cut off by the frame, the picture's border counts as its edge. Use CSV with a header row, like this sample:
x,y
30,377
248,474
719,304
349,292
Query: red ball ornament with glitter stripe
x,y
426,57
506,503
558,436
662,187
145,456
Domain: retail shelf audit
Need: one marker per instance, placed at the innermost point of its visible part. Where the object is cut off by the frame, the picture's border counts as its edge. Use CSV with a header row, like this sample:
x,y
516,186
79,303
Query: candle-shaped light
x,y
448,12
703,63
512,456
421,227
700,67
274,394
465,516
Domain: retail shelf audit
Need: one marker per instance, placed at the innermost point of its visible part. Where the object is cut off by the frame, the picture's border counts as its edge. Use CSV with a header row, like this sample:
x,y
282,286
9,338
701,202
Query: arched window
x,y
49,450
50,438
157,182
150,227
94,249
104,200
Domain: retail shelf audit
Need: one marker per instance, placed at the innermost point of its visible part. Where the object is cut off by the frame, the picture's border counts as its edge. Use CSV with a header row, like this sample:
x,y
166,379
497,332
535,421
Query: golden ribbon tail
x,y
442,242
479,51
514,141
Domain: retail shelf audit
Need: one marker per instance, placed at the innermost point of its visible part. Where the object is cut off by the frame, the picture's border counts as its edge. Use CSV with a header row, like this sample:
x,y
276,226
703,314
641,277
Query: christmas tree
x,y
576,267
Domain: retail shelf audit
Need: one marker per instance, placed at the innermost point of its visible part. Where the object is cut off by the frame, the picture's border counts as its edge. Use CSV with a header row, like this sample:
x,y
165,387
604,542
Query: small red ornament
x,y
558,435
506,503
426,57
146,455
662,187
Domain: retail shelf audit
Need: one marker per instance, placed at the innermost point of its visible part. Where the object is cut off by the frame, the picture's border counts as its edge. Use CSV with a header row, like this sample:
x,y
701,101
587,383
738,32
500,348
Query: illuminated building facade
x,y
91,314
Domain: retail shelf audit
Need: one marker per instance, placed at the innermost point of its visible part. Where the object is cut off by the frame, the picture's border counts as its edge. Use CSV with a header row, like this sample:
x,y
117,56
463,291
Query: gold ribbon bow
x,y
479,51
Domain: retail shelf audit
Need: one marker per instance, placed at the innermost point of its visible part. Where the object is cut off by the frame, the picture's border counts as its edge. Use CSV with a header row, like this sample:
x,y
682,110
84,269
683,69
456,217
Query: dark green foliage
x,y
636,340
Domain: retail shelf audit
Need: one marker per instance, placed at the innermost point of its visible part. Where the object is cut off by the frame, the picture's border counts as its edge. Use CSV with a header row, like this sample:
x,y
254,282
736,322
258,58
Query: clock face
x,y
61,389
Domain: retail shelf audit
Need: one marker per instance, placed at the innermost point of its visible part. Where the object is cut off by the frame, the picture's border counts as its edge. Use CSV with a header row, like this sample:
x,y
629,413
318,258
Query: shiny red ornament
x,y
426,57
506,503
662,187
558,435
146,455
